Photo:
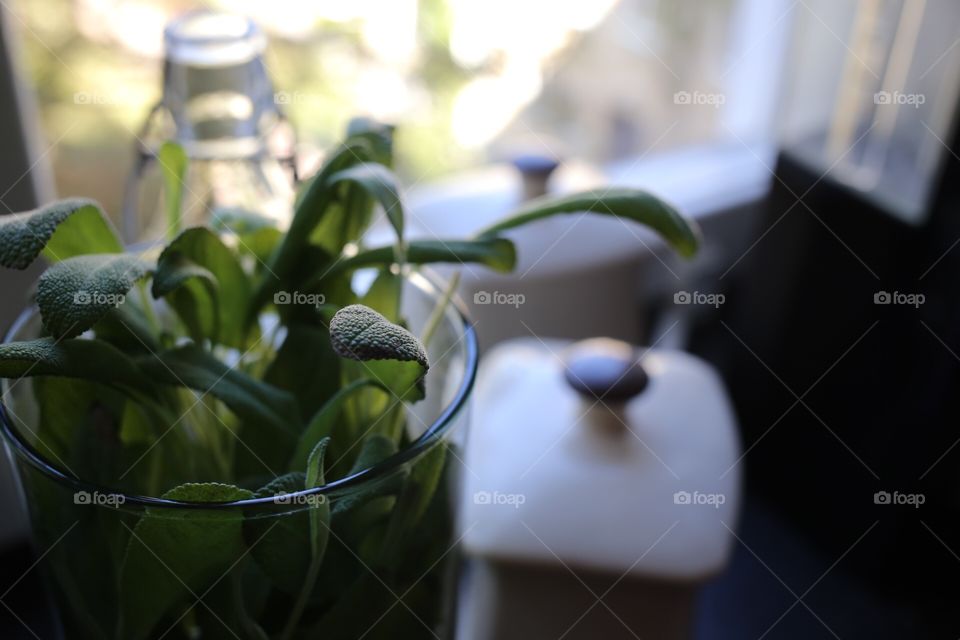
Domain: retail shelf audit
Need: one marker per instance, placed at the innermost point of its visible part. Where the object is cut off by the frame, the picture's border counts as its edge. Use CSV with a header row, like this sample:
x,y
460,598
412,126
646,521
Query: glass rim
x,y
232,46
20,447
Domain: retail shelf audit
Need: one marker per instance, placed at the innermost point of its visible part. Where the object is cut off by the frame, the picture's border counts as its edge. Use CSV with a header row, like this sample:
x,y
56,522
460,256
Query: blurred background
x,y
467,81
815,141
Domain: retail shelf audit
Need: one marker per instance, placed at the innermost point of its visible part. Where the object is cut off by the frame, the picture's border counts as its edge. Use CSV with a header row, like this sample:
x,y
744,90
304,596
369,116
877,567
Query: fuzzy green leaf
x,y
281,545
377,134
174,269
319,518
255,235
630,204
381,184
418,491
391,355
204,248
88,359
192,291
375,449
319,513
127,328
360,333
307,367
314,472
74,294
312,204
61,230
314,215
179,554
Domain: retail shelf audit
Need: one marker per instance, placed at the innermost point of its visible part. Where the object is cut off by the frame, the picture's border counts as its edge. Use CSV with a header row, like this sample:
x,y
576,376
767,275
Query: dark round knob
x,y
535,170
605,369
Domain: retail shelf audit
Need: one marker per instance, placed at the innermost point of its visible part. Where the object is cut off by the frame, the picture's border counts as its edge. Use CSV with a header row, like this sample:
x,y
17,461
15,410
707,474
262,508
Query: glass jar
x,y
219,104
132,567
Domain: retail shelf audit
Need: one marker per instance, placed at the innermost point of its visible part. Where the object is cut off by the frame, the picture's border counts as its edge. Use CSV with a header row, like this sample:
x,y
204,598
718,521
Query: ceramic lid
x,y
644,481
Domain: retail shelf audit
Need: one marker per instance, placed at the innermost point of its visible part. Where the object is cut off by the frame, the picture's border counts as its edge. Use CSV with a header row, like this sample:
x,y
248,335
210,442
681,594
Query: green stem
x,y
251,629
434,320
313,571
148,310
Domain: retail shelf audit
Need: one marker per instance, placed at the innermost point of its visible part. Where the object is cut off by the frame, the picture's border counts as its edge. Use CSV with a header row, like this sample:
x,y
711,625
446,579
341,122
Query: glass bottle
x,y
219,104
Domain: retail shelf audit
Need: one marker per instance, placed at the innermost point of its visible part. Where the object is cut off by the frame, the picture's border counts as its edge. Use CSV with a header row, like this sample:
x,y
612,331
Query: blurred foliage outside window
x,y
466,81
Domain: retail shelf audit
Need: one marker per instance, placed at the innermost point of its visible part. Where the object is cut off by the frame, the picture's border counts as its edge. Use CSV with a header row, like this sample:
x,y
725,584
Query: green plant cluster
x,y
196,373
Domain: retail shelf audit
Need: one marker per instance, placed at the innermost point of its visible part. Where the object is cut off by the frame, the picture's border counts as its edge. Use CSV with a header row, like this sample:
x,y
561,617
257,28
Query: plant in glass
x,y
230,436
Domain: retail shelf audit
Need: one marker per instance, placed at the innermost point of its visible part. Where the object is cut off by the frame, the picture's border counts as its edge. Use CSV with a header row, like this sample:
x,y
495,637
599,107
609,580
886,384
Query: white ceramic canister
x,y
601,490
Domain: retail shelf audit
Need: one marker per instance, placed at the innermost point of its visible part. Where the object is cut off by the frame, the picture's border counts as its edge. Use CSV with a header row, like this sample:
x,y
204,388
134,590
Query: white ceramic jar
x,y
601,490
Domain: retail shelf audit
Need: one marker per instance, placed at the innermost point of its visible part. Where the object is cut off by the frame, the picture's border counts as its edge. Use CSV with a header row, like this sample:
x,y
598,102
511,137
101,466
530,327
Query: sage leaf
x,y
351,212
204,248
173,556
256,235
135,425
307,367
249,398
87,359
390,354
284,540
381,184
319,515
74,294
173,164
375,449
415,498
320,512
360,333
192,291
378,135
173,269
63,403
239,221
312,204
62,230
630,204
497,253
281,485
319,217
127,328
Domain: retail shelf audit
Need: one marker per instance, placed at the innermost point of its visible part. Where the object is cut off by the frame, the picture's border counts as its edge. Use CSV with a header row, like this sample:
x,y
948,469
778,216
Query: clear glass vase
x,y
218,103
122,566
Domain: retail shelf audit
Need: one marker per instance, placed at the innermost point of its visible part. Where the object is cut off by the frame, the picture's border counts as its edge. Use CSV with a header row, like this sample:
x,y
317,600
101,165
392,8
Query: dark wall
x,y
883,380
